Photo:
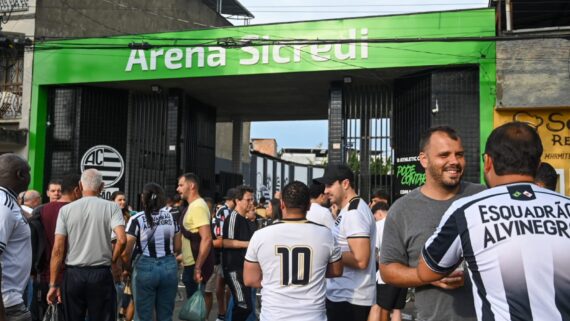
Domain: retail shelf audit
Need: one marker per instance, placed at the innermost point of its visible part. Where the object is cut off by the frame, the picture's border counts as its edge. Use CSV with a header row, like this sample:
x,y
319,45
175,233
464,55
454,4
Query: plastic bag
x,y
53,313
195,307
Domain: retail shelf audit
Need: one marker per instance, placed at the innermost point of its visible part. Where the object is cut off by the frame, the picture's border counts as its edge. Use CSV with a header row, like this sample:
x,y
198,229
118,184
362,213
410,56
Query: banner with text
x,y
553,126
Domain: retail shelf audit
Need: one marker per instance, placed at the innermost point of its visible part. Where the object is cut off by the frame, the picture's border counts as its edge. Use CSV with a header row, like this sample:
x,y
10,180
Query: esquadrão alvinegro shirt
x,y
516,242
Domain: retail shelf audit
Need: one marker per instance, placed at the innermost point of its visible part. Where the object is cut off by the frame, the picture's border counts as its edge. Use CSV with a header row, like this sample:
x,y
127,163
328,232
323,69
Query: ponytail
x,y
152,199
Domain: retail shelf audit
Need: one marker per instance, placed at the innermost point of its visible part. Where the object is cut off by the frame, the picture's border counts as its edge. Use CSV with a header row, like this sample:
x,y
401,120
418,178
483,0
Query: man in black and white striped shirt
x,y
515,237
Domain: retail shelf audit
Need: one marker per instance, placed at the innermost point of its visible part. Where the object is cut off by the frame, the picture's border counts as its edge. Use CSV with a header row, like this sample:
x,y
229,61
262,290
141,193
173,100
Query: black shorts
x,y
390,297
344,311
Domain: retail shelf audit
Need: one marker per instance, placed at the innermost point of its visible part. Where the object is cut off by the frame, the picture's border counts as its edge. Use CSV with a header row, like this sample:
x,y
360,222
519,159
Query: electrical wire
x,y
353,5
239,43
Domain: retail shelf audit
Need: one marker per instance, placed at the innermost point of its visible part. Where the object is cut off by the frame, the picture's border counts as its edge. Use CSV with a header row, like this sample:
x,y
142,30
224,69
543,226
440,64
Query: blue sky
x,y
308,134
293,134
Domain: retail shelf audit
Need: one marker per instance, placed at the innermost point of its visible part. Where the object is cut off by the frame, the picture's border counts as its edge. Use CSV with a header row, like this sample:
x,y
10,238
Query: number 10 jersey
x,y
293,255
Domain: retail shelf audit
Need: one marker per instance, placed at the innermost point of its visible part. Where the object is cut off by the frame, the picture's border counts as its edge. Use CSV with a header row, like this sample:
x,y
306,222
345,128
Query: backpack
x,y
39,242
208,265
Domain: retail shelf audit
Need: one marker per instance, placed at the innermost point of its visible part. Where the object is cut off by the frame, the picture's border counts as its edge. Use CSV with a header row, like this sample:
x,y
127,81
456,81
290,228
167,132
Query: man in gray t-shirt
x,y
86,225
413,219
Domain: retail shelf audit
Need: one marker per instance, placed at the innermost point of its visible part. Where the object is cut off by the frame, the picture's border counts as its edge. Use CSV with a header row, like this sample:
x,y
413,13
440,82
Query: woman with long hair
x,y
120,198
154,235
274,209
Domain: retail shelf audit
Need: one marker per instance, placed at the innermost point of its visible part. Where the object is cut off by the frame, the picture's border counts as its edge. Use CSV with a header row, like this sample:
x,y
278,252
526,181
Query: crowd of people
x,y
316,252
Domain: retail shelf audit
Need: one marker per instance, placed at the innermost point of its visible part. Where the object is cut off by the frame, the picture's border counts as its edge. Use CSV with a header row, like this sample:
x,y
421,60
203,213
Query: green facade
x,y
267,49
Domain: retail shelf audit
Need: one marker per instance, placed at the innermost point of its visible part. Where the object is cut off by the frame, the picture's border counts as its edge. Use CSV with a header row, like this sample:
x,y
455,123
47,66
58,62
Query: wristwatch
x,y
54,285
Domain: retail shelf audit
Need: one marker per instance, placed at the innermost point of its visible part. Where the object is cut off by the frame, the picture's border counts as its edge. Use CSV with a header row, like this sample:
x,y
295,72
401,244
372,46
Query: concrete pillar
x,y
336,125
237,145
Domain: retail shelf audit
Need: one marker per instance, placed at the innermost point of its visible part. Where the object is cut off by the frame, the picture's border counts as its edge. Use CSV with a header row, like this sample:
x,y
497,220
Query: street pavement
x,y
407,312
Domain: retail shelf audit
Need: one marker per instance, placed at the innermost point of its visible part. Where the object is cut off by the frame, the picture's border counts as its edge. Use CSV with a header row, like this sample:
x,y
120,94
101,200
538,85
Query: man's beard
x,y
439,176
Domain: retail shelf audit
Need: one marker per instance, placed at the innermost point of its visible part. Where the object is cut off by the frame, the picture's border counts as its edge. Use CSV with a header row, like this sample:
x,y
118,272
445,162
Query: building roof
x,y
533,14
319,152
230,7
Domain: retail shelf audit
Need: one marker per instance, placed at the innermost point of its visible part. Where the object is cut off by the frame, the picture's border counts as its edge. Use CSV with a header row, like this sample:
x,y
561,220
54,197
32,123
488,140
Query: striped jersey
x,y
158,240
355,286
218,220
516,241
293,256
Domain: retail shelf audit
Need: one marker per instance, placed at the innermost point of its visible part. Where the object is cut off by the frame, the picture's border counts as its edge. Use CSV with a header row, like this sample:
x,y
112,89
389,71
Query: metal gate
x,y
375,128
79,119
198,144
366,114
152,143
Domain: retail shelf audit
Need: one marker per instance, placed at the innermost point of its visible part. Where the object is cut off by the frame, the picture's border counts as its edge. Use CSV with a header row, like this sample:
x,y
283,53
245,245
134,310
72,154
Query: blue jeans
x,y
155,283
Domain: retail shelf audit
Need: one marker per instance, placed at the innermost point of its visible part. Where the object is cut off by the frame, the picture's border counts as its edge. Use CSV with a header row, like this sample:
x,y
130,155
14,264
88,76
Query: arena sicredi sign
x,y
269,49
216,56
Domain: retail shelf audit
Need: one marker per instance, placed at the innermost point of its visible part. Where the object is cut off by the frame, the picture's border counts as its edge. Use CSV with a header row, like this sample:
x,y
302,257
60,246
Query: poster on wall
x,y
285,177
259,177
553,126
301,174
409,174
317,172
269,180
278,176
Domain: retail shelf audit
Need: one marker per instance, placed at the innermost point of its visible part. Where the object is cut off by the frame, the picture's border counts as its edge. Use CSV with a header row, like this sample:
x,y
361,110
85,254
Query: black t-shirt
x,y
236,227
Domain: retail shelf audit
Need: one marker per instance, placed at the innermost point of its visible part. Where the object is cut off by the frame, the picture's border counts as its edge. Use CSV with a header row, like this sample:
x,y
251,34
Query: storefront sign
x,y
214,56
553,126
268,49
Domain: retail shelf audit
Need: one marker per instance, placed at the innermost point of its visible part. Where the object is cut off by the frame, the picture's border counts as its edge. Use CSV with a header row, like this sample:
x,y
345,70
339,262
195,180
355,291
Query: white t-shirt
x,y
355,286
293,256
379,233
516,242
15,249
320,214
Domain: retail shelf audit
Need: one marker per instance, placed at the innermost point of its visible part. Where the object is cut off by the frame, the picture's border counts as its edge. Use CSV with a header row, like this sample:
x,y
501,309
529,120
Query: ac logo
x,y
107,160
95,157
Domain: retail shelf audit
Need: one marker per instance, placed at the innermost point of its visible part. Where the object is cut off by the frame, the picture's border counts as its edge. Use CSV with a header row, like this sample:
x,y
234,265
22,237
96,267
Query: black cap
x,y
335,173
231,194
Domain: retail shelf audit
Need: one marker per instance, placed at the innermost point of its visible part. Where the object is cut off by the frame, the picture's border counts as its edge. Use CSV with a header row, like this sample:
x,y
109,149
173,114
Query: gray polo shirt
x,y
87,223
